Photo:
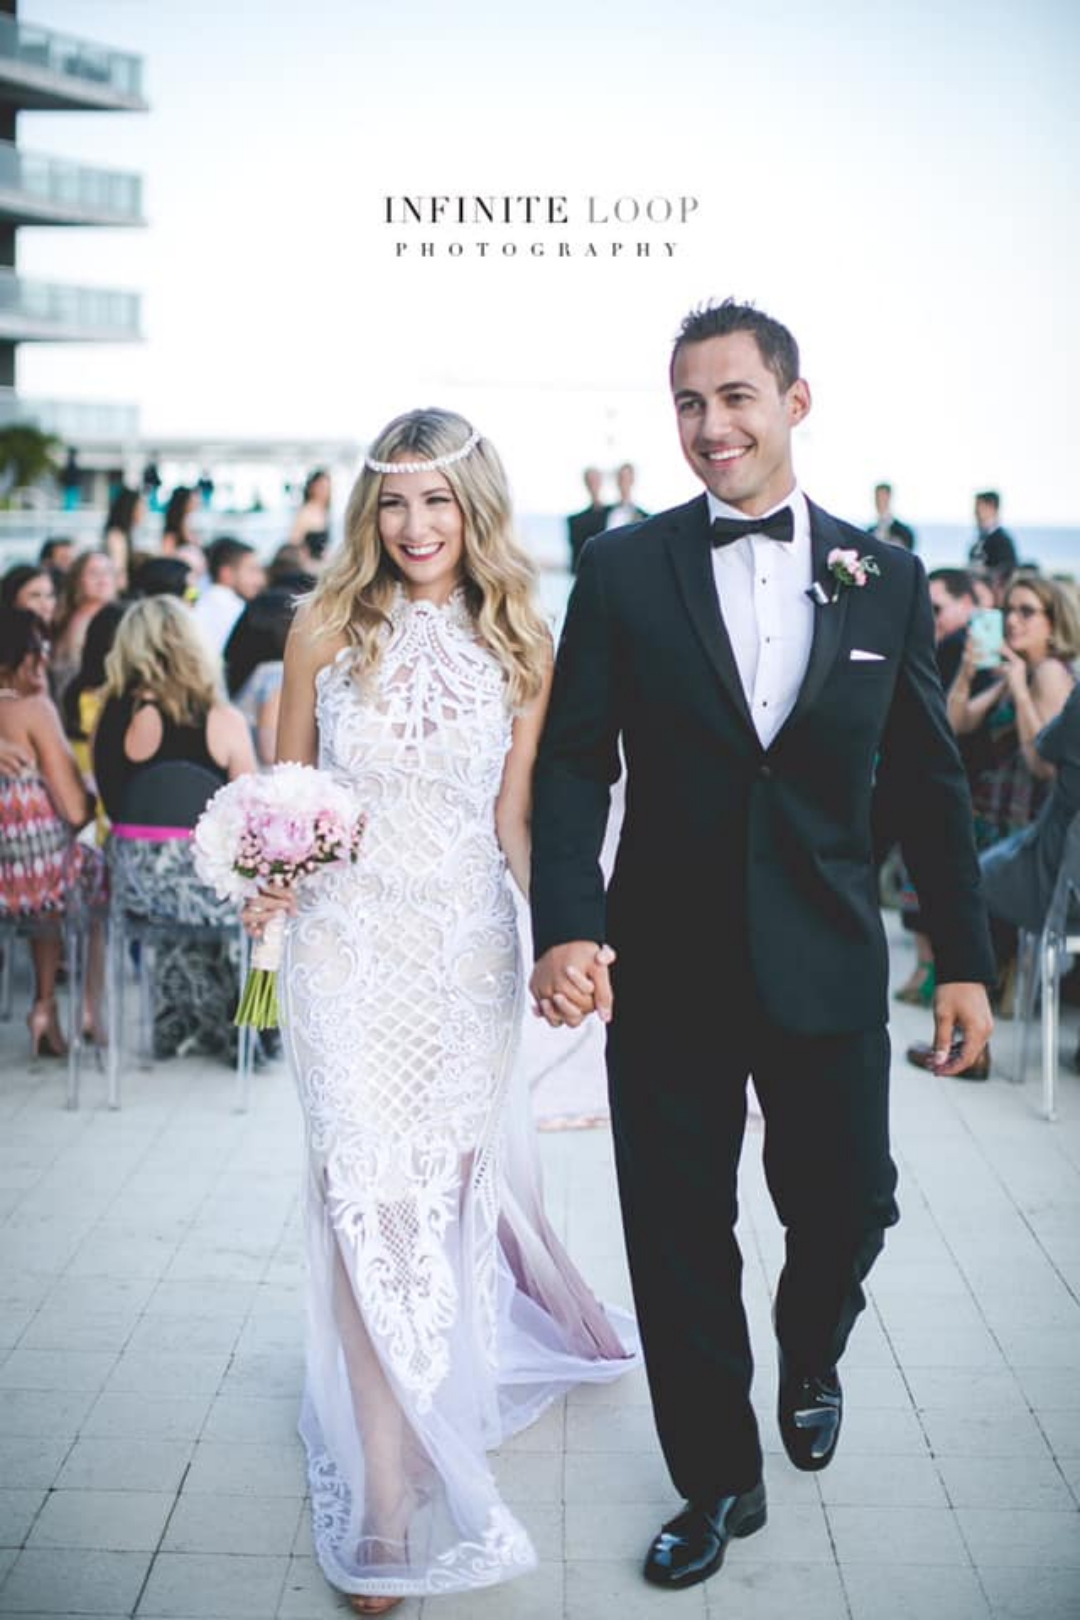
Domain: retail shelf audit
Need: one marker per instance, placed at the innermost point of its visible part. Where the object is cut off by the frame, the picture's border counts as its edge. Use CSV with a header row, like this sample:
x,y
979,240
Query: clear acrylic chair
x,y
156,899
1040,959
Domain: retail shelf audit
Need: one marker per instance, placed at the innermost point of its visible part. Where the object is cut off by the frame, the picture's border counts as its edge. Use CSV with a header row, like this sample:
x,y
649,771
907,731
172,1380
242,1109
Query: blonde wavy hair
x,y
158,649
1061,604
355,589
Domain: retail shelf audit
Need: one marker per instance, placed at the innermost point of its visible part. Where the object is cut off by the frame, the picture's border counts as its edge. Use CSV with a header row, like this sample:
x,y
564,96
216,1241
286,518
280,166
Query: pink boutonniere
x,y
848,568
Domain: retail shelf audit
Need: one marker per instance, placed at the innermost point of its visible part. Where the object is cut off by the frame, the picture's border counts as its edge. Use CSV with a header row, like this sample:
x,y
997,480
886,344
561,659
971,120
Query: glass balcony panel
x,y
100,311
97,65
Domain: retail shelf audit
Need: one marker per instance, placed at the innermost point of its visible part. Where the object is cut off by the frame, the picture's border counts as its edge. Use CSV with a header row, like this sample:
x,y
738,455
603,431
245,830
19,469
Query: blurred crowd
x,y
120,666
129,657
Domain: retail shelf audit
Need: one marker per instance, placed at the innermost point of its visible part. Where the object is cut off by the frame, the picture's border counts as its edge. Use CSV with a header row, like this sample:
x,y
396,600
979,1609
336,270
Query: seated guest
x,y
31,589
1027,691
1019,873
91,582
86,693
163,702
287,570
163,576
255,666
236,575
57,555
952,598
42,806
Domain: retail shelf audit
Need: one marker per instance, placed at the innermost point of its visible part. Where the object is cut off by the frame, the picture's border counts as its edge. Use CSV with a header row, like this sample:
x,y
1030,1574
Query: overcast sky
x,y
895,181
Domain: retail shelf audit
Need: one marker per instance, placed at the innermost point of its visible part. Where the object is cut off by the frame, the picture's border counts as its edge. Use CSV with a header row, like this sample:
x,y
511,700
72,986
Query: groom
x,y
759,685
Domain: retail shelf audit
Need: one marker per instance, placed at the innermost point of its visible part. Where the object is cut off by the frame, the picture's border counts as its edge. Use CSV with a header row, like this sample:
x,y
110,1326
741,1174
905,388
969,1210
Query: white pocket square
x,y
857,655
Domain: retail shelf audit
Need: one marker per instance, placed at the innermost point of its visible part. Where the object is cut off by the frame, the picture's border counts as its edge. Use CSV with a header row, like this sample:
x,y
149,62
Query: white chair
x,y
1040,959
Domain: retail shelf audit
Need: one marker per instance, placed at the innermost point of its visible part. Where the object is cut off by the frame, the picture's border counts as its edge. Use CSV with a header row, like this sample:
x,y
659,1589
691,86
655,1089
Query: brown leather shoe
x,y
922,1055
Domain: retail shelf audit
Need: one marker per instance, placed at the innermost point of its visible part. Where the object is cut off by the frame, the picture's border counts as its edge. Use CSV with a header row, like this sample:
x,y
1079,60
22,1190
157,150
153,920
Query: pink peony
x,y
283,836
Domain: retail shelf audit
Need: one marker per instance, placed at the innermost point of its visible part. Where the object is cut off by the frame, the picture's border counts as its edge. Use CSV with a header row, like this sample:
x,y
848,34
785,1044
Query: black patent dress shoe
x,y
691,1546
810,1410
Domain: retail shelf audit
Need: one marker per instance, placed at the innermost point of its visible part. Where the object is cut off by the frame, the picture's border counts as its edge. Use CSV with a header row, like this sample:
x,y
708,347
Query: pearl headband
x,y
425,466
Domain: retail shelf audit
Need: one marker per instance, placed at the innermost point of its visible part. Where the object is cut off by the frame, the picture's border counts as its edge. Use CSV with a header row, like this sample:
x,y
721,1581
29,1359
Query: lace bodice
x,y
426,733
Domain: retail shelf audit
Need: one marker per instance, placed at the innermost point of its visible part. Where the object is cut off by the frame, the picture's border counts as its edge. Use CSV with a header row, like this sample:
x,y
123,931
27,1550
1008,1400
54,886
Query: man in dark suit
x,y
993,547
591,520
755,656
887,526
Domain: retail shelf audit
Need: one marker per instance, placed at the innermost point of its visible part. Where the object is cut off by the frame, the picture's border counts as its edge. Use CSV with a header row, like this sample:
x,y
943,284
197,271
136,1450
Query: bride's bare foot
x,y
373,1605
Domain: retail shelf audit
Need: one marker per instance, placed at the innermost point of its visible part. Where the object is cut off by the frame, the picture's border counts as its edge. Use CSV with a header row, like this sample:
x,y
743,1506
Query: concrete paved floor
x,y
150,1326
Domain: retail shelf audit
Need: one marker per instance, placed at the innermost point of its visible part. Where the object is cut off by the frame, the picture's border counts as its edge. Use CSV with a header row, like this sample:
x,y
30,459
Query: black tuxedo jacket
x,y
732,853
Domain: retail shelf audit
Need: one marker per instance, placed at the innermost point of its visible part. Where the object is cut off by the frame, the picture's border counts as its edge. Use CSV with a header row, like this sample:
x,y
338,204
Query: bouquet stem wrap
x,y
259,1008
264,834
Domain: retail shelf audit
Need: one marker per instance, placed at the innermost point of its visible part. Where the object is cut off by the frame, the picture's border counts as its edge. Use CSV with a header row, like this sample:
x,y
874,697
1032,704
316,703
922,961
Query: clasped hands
x,y
571,981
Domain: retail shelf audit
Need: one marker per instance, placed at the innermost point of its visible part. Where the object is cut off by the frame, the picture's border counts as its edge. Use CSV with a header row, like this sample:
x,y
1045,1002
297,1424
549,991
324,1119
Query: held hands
x,y
571,981
962,1026
257,912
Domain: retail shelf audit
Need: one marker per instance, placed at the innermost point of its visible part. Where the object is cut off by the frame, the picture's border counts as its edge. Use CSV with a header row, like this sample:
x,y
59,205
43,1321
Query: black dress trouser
x,y
678,1098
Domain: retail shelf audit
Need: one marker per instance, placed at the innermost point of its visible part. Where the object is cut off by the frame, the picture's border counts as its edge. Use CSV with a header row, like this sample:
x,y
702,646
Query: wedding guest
x,y
255,668
179,536
1026,692
952,600
164,576
126,515
42,807
163,702
590,520
287,570
91,582
236,575
626,510
86,692
886,526
31,589
311,526
1020,872
993,547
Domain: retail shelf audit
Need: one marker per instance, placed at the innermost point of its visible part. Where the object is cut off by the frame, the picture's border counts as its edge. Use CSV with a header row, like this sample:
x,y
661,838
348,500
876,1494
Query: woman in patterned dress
x,y
444,1314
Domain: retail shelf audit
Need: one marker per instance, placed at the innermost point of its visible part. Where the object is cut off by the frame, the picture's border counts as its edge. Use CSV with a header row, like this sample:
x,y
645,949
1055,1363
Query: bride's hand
x,y
257,912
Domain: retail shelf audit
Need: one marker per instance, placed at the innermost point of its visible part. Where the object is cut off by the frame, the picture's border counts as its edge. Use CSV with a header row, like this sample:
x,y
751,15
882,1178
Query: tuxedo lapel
x,y
829,616
690,550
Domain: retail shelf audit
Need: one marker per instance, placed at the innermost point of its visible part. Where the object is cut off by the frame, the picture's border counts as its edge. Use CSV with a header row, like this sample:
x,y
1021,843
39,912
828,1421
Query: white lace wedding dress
x,y
444,1314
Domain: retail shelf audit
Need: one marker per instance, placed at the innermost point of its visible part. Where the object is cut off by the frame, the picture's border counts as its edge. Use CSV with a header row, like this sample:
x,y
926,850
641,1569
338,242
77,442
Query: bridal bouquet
x,y
270,831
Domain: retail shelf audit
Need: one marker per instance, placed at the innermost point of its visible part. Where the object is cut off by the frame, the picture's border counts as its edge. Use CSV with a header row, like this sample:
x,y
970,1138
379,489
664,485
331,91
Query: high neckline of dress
x,y
455,610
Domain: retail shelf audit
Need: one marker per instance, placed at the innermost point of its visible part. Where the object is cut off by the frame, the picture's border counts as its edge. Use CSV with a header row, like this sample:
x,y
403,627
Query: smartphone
x,y
987,630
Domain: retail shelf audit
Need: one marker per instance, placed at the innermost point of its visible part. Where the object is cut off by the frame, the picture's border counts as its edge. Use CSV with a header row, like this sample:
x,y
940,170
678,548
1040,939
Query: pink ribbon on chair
x,y
149,835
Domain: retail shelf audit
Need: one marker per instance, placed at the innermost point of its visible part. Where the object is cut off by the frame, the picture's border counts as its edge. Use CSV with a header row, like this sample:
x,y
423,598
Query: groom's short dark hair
x,y
778,348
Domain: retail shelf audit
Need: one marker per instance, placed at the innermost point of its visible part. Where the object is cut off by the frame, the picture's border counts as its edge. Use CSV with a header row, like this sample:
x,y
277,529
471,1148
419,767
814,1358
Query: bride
x,y
444,1314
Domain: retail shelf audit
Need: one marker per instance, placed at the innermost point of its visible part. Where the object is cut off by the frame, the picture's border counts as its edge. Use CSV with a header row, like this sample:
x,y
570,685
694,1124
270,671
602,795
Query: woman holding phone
x,y
1035,676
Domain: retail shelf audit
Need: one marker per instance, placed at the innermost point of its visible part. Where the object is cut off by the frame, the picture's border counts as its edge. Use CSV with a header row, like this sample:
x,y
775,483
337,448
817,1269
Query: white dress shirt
x,y
762,586
216,612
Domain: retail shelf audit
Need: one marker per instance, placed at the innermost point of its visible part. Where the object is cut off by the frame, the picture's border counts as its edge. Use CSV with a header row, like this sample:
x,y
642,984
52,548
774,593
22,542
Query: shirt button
x,y
765,770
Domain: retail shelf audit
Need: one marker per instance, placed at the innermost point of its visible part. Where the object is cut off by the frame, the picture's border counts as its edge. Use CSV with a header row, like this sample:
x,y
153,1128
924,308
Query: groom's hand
x,y
960,1009
571,981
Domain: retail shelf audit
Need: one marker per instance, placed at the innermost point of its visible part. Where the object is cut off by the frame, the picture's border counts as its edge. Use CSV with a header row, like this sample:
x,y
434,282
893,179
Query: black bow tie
x,y
777,526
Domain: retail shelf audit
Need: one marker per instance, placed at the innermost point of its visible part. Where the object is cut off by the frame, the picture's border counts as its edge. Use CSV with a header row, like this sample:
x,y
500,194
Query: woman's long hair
x,y
1059,603
100,635
258,636
71,591
158,649
354,592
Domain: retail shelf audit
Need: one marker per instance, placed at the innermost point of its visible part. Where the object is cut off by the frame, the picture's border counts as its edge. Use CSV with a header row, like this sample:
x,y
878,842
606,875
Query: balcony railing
x,y
76,421
102,73
35,185
46,311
